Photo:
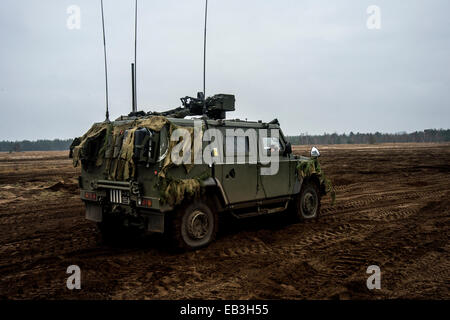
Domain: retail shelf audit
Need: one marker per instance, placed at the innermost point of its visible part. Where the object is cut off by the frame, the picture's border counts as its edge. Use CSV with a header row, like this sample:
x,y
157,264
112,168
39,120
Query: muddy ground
x,y
392,210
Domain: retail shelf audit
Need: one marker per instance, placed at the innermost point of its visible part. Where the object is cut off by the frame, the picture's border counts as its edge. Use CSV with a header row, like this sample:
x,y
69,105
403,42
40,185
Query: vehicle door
x,y
279,183
239,177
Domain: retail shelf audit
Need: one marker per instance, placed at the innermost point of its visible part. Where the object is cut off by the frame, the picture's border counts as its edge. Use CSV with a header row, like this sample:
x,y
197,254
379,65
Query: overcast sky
x,y
314,65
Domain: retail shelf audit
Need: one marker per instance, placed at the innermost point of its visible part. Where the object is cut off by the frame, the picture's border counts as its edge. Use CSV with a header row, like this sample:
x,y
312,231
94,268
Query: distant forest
x,y
430,135
39,145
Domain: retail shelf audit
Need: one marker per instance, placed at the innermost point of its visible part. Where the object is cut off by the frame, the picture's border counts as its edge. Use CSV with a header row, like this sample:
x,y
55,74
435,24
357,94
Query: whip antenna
x,y
134,66
204,59
106,66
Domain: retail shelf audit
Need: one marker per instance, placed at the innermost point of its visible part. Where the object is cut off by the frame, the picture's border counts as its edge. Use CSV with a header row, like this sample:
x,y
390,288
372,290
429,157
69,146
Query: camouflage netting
x,y
168,161
113,145
174,191
309,167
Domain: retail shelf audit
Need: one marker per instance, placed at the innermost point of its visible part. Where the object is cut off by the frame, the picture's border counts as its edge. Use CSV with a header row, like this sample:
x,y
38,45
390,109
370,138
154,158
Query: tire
x,y
194,225
307,202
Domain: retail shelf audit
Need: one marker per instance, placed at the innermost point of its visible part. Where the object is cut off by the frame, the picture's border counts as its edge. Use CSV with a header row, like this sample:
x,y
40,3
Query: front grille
x,y
115,196
119,196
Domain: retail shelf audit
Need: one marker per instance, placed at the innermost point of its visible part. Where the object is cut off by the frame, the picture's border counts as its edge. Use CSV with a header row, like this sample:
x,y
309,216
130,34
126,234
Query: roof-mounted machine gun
x,y
216,107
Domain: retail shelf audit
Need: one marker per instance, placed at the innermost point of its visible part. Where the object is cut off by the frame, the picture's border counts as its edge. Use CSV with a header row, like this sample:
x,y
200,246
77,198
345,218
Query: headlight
x,y
315,152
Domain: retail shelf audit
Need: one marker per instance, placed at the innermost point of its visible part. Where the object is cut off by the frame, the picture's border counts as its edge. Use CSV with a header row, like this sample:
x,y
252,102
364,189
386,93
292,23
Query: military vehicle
x,y
132,179
129,179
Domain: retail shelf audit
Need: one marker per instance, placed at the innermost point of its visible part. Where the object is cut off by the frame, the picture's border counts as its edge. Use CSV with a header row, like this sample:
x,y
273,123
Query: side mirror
x,y
315,152
288,149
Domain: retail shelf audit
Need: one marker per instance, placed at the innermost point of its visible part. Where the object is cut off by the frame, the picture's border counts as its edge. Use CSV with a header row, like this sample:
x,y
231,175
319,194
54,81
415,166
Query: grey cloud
x,y
312,64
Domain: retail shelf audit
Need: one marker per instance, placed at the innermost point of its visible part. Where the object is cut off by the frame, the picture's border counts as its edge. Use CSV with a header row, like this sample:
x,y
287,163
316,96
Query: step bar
x,y
261,212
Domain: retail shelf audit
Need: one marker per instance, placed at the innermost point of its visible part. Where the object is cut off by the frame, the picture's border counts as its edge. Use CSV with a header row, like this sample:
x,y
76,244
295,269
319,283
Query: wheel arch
x,y
314,178
215,193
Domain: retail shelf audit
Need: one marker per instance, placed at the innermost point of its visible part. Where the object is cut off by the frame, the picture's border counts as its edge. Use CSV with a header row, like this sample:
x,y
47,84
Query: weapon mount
x,y
216,107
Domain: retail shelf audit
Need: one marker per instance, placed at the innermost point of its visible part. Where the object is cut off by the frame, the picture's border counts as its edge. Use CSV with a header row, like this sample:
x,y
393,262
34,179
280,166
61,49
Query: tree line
x,y
429,135
38,145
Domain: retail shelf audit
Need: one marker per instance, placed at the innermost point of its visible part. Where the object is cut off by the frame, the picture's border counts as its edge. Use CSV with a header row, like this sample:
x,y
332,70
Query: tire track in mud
x,y
169,285
36,214
425,278
388,215
44,222
14,254
344,263
383,198
396,217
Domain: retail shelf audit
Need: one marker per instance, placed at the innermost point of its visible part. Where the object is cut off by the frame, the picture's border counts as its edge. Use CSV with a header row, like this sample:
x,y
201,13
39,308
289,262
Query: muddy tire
x,y
194,225
307,202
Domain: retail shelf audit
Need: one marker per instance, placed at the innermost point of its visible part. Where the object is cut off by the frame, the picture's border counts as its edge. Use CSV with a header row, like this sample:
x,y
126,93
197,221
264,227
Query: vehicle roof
x,y
189,122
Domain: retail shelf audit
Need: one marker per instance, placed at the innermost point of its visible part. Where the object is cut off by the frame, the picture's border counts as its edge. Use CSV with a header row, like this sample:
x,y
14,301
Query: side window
x,y
271,144
229,144
242,145
238,145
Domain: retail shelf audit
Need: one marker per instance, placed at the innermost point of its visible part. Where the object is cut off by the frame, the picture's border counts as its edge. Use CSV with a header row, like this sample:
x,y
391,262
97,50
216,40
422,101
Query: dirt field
x,y
392,210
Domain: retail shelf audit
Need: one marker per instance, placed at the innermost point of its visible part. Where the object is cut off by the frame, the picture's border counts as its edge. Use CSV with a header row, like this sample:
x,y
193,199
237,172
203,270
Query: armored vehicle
x,y
132,176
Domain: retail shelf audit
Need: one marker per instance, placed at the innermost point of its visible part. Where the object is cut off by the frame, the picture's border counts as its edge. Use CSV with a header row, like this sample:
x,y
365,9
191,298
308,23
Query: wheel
x,y
194,225
307,203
